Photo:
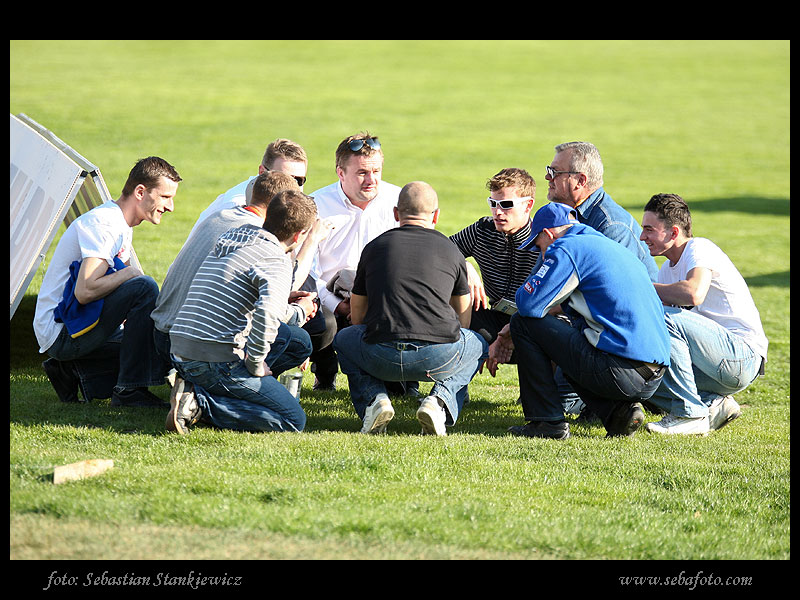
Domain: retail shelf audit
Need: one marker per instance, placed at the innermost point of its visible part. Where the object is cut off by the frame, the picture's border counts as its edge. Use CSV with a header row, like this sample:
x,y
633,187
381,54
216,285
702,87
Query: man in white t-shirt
x,y
360,207
90,289
718,346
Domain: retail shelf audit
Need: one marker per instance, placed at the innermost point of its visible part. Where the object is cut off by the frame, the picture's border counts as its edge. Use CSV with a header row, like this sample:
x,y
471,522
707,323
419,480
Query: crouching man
x,y
228,343
410,307
616,349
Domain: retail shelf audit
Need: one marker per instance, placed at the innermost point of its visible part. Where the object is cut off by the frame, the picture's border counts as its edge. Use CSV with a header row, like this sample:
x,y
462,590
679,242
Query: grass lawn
x,y
708,120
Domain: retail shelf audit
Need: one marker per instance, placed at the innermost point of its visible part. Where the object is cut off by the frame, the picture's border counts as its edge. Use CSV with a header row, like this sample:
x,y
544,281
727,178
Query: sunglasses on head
x,y
356,145
507,204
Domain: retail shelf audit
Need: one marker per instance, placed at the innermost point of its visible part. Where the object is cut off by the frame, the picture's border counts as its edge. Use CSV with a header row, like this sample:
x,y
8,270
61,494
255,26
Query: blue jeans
x,y
231,398
108,355
450,366
602,380
707,362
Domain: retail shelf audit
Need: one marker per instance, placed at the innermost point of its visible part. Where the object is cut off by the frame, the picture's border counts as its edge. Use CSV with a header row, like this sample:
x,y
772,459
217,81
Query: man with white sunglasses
x,y
493,242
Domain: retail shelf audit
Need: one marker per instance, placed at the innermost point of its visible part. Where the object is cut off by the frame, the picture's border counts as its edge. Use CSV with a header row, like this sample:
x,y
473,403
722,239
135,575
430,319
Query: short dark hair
x,y
290,211
147,172
671,210
270,183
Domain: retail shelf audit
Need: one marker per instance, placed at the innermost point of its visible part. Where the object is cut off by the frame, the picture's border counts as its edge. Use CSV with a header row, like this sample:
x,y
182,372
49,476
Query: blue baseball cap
x,y
553,214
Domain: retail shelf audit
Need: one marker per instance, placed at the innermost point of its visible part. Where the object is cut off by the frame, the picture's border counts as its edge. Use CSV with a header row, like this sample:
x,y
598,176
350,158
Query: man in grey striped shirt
x,y
228,341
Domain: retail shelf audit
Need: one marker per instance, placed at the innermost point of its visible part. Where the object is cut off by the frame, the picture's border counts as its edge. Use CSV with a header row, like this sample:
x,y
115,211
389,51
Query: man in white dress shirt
x,y
360,207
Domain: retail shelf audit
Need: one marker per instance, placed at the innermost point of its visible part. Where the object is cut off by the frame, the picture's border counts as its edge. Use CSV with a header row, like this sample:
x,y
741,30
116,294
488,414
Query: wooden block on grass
x,y
81,470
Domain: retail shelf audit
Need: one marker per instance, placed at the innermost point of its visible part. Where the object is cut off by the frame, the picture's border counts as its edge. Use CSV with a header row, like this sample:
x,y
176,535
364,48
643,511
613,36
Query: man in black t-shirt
x,y
410,309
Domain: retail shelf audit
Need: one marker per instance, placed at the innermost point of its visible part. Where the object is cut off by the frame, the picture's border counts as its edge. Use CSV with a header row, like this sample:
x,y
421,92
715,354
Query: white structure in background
x,y
50,183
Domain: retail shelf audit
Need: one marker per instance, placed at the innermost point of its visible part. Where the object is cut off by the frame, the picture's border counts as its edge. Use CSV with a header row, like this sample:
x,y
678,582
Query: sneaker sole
x,y
730,418
172,422
428,424
380,423
656,431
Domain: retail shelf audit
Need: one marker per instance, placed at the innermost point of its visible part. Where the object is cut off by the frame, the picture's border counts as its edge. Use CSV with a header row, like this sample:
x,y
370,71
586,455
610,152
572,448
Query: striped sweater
x,y
236,299
504,267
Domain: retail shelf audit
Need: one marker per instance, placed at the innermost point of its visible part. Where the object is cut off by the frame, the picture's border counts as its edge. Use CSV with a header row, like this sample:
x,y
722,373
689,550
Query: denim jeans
x,y
601,379
231,398
707,362
108,355
450,366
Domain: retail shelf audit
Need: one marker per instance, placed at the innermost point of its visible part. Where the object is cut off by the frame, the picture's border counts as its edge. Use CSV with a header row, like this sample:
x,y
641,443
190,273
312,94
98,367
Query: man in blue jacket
x,y
615,348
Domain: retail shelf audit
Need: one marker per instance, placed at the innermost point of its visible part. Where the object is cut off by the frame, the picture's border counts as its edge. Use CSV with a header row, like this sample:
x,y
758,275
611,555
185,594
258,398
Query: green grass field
x,y
708,120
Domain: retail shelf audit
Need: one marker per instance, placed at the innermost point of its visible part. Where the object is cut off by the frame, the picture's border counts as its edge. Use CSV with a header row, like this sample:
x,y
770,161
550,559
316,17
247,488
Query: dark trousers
x,y
107,356
601,379
488,324
325,363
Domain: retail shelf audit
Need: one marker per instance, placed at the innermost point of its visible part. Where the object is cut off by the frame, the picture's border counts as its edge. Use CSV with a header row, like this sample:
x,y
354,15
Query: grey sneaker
x,y
672,425
184,410
722,411
378,415
432,416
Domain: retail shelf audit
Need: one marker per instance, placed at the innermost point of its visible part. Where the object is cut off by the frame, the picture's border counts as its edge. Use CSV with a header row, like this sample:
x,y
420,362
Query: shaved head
x,y
417,198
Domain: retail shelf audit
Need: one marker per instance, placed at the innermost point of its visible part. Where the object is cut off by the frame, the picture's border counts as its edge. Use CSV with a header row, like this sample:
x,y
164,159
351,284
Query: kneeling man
x,y
228,342
410,308
615,350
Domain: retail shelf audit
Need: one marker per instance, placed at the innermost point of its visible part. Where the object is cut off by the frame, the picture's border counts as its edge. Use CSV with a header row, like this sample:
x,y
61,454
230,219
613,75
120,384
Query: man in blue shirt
x,y
616,347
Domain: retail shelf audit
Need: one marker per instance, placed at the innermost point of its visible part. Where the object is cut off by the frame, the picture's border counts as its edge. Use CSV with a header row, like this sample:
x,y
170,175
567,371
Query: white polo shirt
x,y
353,229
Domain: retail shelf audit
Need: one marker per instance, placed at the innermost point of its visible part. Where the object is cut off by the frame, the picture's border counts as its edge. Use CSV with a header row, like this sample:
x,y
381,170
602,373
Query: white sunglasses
x,y
507,204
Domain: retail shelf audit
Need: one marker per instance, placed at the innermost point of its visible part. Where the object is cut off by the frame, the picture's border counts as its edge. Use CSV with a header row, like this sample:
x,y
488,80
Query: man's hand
x,y
306,300
343,309
499,351
261,370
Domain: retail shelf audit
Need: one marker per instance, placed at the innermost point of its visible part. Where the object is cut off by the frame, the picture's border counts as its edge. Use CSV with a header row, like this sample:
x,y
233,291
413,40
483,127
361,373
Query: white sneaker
x,y
722,411
671,425
432,417
378,414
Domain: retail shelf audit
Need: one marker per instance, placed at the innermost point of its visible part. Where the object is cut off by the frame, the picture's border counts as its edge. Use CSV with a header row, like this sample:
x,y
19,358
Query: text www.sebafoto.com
x,y
690,581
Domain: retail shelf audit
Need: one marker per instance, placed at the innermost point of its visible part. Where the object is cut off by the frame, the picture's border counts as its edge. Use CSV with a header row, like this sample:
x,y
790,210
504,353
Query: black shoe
x,y
136,397
325,384
402,388
63,380
556,430
625,419
588,417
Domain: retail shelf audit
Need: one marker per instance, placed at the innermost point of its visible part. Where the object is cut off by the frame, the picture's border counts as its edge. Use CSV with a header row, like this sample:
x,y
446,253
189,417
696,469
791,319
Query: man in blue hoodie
x,y
615,348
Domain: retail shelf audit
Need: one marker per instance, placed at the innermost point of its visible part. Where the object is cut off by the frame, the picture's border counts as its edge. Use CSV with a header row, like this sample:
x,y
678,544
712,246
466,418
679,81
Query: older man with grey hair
x,y
575,178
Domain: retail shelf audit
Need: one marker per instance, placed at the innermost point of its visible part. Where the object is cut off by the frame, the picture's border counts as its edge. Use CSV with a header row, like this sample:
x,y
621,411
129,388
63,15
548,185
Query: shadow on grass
x,y
778,207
